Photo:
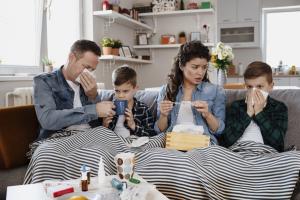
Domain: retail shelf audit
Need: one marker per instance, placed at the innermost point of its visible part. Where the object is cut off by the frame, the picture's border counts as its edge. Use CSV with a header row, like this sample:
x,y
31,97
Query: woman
x,y
189,97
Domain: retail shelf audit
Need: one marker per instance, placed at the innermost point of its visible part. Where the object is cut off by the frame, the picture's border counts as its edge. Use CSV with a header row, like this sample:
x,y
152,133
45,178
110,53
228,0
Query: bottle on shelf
x,y
181,5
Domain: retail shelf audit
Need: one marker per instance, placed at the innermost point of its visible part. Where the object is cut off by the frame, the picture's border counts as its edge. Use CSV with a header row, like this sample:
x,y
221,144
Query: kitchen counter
x,y
280,75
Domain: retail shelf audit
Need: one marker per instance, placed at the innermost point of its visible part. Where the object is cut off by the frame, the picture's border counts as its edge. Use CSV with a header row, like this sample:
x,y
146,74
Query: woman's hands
x,y
202,107
165,107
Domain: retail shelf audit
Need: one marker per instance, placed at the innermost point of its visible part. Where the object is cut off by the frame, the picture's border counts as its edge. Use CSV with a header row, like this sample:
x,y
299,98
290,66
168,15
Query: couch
x,y
19,127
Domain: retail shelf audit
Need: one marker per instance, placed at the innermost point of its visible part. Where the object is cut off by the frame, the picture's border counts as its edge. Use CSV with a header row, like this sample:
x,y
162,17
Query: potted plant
x,y
107,44
181,37
48,64
117,44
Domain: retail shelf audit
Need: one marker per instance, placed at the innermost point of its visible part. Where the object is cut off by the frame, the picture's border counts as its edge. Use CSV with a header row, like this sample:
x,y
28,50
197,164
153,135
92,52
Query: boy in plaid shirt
x,y
257,118
138,119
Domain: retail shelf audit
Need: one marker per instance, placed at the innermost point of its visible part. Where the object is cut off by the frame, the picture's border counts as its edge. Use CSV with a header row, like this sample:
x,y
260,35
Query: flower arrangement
x,y
222,56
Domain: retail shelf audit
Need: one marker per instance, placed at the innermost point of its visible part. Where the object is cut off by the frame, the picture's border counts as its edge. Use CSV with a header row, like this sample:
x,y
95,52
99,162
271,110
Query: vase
x,y
221,77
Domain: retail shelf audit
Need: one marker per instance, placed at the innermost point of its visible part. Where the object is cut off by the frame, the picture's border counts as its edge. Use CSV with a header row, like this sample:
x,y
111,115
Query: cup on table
x,y
121,106
125,165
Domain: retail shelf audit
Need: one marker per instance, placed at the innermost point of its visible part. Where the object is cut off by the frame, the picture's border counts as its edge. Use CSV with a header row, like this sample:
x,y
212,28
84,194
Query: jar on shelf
x,y
105,5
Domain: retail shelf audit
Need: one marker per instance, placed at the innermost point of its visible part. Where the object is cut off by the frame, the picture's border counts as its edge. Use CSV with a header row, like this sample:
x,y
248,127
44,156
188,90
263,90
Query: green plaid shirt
x,y
272,122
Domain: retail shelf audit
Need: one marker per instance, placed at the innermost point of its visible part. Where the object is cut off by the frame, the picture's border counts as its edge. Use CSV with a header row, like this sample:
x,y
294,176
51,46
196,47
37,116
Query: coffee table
x,y
37,192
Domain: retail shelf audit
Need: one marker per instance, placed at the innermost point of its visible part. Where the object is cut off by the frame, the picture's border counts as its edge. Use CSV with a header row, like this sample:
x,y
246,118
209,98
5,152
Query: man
x,y
68,96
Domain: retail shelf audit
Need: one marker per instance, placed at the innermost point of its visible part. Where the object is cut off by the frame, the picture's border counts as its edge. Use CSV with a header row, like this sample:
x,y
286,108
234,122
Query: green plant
x,y
107,42
181,34
117,44
47,62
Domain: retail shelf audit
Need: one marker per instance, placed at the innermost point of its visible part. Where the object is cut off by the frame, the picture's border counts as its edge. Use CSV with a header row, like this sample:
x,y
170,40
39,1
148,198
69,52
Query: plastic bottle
x,y
181,5
101,173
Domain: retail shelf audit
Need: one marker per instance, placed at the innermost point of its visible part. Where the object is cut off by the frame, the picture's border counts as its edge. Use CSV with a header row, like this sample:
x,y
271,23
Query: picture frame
x,y
142,39
126,52
195,36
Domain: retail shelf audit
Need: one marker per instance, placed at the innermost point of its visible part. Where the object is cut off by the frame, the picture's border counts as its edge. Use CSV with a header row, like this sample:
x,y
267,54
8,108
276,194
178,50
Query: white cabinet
x,y
232,11
295,81
281,81
227,11
239,34
248,10
238,22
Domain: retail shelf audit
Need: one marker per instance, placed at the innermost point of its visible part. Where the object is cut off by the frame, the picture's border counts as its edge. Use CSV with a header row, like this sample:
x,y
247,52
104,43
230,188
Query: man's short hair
x,y
81,46
257,69
124,74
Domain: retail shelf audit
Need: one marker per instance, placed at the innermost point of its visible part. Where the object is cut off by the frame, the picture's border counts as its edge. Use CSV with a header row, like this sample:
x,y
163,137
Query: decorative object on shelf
x,y
206,31
206,5
221,58
117,44
181,37
192,5
134,14
167,39
145,57
231,71
126,51
143,8
48,64
115,5
107,44
195,36
163,5
105,5
142,39
293,70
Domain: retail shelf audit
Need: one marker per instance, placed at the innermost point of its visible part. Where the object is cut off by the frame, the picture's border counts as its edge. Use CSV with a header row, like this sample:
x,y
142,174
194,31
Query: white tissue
x,y
139,141
87,71
189,128
264,93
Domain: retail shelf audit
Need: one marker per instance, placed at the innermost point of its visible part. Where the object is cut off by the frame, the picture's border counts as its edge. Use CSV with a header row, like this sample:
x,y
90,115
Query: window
x,y
282,36
63,28
25,24
20,32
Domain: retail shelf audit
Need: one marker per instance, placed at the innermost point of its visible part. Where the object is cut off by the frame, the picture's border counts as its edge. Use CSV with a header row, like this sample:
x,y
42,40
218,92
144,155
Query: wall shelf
x,y
114,17
124,59
164,46
178,12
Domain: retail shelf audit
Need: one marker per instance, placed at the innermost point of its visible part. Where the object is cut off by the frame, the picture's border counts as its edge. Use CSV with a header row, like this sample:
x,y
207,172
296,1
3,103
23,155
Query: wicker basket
x,y
186,141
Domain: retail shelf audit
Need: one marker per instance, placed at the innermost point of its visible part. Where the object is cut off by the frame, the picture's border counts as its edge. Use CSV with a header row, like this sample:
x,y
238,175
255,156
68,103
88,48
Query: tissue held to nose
x,y
87,71
264,93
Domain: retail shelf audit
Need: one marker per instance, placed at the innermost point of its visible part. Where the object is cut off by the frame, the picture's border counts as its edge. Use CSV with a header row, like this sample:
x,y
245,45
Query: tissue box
x,y
186,141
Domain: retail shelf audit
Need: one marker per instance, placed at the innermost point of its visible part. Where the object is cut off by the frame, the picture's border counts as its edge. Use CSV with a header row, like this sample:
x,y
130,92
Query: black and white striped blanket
x,y
246,171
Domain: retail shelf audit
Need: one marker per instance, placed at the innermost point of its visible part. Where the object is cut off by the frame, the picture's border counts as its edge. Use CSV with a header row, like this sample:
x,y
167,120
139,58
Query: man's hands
x,y
105,109
89,85
256,105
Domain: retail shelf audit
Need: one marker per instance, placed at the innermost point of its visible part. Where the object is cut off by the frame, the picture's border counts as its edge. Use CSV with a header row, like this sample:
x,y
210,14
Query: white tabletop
x,y
37,191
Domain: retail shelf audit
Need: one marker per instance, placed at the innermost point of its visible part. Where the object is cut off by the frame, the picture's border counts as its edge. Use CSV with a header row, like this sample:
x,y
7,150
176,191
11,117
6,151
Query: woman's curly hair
x,y
187,52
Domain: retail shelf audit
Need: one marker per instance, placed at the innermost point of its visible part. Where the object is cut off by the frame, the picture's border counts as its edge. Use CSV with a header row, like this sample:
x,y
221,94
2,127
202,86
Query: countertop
x,y
274,76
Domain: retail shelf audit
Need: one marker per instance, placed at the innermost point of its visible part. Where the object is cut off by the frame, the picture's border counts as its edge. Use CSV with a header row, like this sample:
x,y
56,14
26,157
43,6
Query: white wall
x,y
151,75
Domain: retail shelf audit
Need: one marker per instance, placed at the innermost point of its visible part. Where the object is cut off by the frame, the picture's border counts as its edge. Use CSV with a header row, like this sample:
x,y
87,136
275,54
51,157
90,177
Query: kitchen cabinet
x,y
233,11
283,80
238,23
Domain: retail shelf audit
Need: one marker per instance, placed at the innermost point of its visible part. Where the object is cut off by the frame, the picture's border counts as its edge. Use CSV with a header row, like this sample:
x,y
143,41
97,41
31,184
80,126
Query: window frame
x,y
267,11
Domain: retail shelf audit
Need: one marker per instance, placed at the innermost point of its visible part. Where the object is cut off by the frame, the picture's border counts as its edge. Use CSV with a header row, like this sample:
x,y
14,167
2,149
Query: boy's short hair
x,y
124,74
257,69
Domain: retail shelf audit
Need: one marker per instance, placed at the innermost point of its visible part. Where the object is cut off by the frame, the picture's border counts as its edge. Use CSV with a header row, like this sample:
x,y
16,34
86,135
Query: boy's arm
x,y
144,124
237,121
273,125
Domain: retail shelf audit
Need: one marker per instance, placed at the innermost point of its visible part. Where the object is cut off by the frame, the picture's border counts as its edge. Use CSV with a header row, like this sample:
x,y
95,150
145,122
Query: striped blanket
x,y
245,171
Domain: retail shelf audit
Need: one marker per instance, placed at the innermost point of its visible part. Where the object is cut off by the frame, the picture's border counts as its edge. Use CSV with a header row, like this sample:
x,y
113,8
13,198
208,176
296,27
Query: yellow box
x,y
186,141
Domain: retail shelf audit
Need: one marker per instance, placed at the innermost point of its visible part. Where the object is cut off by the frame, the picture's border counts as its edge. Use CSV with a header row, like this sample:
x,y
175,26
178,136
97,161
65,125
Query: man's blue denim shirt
x,y
53,101
212,94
